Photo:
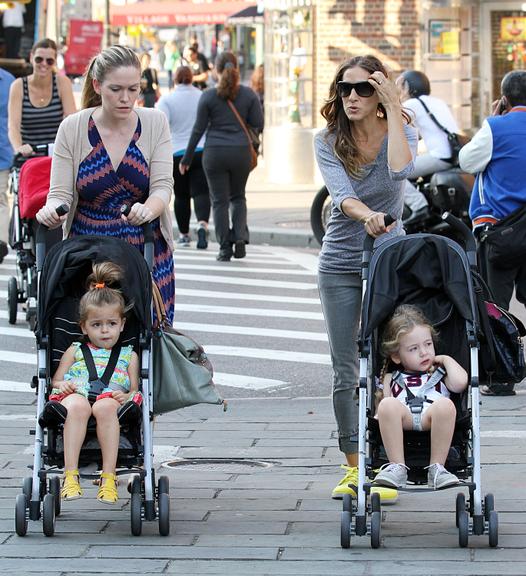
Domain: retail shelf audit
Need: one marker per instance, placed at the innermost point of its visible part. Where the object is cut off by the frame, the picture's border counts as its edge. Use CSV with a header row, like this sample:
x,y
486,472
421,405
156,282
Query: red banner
x,y
84,42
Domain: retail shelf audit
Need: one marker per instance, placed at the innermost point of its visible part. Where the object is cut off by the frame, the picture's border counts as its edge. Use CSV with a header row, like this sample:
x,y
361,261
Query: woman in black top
x,y
226,156
149,82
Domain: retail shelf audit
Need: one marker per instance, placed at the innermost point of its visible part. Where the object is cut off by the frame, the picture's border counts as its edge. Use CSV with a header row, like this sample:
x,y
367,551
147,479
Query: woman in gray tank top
x,y
364,155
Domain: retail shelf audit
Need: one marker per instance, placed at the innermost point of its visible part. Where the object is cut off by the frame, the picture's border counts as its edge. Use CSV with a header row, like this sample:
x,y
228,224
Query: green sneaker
x,y
349,483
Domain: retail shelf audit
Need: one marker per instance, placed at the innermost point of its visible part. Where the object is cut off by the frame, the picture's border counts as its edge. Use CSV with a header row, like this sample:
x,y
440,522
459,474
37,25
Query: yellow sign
x,y
450,42
513,29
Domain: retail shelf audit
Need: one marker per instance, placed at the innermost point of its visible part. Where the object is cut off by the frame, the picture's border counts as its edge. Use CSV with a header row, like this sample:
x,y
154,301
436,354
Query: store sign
x,y
84,42
168,19
513,29
444,39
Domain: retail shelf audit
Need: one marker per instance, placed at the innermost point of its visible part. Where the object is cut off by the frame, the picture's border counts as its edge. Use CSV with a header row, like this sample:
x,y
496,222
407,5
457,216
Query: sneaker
x,y
392,475
183,241
438,477
202,238
349,483
3,251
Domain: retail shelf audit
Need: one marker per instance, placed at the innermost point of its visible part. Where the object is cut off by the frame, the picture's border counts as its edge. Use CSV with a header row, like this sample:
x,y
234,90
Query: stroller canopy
x,y
68,264
429,271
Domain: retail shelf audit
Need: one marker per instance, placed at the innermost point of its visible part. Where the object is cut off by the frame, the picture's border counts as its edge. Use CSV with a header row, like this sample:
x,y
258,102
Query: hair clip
x,y
229,65
100,285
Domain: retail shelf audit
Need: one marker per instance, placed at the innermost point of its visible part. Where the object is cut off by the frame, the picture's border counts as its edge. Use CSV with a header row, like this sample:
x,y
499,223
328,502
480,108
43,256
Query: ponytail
x,y
89,98
226,65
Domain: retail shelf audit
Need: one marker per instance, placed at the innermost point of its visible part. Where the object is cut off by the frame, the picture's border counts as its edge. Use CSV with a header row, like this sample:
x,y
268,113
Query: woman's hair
x,y
226,65
417,83
345,146
183,75
44,43
257,81
102,289
404,319
109,59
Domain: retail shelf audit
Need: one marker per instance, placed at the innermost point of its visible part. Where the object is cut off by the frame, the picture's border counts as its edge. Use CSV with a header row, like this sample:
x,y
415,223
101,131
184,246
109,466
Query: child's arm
x,y
133,372
387,385
456,378
67,360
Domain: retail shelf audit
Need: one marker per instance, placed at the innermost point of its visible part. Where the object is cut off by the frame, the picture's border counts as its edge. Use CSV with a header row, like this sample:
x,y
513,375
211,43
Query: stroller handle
x,y
369,240
458,225
148,237
40,247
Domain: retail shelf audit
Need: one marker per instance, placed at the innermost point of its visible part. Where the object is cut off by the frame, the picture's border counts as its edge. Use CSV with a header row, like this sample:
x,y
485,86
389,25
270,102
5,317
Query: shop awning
x,y
179,13
246,17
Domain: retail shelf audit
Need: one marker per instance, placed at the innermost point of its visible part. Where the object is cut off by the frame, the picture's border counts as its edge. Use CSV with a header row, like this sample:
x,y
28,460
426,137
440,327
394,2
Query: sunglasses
x,y
39,60
363,89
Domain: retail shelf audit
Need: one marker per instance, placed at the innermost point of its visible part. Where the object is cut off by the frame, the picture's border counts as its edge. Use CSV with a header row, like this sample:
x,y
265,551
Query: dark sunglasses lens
x,y
344,89
49,61
364,89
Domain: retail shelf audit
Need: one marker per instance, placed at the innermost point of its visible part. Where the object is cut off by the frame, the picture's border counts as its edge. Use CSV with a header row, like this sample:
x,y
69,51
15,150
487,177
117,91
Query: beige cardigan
x,y
72,145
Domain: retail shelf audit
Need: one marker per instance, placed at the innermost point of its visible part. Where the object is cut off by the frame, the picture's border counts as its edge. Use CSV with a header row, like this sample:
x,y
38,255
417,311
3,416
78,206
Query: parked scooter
x,y
446,191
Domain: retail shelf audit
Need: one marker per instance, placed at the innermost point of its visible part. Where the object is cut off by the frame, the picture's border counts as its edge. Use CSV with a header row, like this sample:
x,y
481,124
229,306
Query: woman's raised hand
x,y
387,90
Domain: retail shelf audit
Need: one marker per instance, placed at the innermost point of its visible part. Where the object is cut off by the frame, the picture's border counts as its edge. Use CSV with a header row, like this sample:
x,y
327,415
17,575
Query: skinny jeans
x,y
190,185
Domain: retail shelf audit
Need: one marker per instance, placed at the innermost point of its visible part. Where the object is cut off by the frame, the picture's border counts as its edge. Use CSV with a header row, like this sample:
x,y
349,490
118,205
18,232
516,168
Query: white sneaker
x,y
392,475
438,477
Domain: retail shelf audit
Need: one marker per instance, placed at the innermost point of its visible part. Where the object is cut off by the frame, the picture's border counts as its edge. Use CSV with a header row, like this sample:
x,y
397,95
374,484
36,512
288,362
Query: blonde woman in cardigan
x,y
109,154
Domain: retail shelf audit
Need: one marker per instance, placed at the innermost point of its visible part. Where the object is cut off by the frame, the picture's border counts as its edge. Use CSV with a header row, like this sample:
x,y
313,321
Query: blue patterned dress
x,y
102,191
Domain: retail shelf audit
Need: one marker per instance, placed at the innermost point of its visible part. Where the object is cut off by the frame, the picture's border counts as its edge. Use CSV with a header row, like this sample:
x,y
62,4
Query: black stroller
x,y
61,284
434,273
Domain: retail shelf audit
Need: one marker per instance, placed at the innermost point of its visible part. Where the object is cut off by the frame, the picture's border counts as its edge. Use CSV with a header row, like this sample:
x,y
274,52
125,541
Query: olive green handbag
x,y
182,372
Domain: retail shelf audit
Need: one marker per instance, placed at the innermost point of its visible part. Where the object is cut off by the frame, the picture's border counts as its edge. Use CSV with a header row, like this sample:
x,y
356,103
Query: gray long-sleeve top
x,y
214,114
380,189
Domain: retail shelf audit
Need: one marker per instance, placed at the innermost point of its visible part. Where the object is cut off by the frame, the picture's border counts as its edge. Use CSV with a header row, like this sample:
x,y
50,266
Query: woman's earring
x,y
380,113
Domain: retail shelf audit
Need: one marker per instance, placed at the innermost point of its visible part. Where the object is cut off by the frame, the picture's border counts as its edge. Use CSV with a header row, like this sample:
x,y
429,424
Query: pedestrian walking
x,y
13,24
364,155
226,156
39,102
496,154
150,92
171,57
180,107
6,159
109,154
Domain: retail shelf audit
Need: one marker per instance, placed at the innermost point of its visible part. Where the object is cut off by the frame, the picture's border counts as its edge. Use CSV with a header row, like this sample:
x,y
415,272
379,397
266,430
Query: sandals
x,y
71,489
108,488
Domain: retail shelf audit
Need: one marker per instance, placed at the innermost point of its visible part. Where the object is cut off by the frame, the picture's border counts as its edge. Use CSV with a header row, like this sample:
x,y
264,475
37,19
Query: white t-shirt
x,y
14,17
417,382
434,138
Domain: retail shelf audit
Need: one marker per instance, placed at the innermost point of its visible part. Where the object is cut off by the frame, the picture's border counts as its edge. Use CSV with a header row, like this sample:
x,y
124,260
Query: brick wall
x,y
389,29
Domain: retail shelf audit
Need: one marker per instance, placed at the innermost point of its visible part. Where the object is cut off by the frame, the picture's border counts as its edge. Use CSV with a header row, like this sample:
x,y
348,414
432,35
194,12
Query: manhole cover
x,y
232,465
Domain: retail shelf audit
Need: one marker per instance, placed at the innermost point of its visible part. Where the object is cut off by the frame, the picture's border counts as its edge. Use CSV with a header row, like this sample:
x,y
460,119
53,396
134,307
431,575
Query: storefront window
x,y
288,66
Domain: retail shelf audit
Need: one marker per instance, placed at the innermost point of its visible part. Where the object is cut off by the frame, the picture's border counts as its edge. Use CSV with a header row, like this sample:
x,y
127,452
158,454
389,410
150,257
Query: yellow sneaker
x,y
108,489
349,483
71,489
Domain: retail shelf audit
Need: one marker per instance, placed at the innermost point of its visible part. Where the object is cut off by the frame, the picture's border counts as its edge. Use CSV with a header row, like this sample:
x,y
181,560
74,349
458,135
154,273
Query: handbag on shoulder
x,y
506,240
252,136
182,372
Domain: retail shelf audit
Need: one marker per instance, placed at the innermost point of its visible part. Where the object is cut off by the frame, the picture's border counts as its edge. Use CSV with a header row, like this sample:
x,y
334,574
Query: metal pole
x,y
107,35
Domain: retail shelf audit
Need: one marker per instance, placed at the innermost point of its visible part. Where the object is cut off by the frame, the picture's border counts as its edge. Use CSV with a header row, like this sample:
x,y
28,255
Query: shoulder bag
x,y
506,240
252,136
182,372
456,141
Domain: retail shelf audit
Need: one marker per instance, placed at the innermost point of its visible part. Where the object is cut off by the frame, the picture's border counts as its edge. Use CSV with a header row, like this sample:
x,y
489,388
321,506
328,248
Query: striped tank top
x,y
40,125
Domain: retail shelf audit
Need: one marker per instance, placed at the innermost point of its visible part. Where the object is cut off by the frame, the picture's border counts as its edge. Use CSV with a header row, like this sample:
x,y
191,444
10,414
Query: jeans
x,y
341,298
425,164
191,184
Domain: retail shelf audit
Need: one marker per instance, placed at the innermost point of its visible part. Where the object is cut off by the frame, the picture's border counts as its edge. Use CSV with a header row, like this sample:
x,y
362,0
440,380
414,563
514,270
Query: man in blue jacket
x,y
6,159
497,154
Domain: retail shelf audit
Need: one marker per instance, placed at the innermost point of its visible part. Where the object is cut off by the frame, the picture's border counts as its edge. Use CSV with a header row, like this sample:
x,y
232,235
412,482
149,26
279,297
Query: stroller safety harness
x,y
96,384
415,402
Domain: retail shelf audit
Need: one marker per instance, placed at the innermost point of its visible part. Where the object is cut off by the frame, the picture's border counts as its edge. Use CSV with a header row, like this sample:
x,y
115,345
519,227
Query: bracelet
x,y
365,218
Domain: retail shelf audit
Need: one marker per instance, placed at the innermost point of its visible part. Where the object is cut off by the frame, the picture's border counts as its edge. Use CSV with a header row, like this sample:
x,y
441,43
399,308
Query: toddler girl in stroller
x,y
96,379
416,397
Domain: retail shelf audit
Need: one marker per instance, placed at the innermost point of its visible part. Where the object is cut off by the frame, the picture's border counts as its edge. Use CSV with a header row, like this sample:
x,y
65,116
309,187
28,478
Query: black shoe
x,y
224,255
3,251
240,250
202,238
498,390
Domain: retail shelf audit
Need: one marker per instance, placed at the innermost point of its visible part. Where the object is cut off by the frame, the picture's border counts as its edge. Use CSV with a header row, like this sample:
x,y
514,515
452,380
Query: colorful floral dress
x,y
102,191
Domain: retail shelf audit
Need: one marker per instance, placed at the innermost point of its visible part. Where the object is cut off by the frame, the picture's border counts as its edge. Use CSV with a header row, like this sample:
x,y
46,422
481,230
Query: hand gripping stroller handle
x,y
148,237
458,225
40,247
369,240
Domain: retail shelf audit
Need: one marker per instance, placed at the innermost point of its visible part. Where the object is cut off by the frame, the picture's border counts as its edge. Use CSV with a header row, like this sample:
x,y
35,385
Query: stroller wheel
x,y
136,511
21,515
347,503
12,299
27,487
134,484
489,505
164,514
48,515
345,529
163,485
375,502
376,527
463,529
460,506
493,528
54,488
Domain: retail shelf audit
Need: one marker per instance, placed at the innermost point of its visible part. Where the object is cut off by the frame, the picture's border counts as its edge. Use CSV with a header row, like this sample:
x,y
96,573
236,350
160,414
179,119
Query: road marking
x,y
267,312
286,271
266,354
503,434
245,296
251,331
247,382
255,259
18,357
239,281
10,386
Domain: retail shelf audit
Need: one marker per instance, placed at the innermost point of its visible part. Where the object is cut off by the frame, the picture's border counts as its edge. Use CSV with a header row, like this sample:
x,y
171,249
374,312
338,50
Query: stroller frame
x,y
367,514
148,501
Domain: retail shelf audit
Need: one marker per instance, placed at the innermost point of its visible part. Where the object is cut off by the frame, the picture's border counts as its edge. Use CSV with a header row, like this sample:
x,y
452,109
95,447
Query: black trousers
x,y
13,38
191,184
227,169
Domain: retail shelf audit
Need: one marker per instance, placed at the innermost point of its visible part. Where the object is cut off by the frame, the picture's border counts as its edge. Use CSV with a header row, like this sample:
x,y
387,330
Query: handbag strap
x,y
432,116
159,307
240,120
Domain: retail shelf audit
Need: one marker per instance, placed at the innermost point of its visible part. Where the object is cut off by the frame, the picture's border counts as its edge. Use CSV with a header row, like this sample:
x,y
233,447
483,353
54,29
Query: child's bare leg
x,y
394,418
79,411
440,419
108,431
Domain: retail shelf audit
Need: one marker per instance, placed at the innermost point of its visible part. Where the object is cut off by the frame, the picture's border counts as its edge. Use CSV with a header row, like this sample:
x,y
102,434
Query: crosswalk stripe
x,y
239,281
270,313
244,296
285,271
268,354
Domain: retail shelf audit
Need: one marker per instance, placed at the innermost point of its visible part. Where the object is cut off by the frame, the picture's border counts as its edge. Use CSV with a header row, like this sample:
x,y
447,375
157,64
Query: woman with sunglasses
x,y
39,102
364,154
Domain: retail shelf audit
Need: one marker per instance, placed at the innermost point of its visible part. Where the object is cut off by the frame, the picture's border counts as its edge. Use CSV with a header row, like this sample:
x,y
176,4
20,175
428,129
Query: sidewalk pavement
x,y
263,506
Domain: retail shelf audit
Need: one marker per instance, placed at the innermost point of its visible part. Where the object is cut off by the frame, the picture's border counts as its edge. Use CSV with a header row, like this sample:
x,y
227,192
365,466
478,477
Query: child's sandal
x,y
108,488
71,489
